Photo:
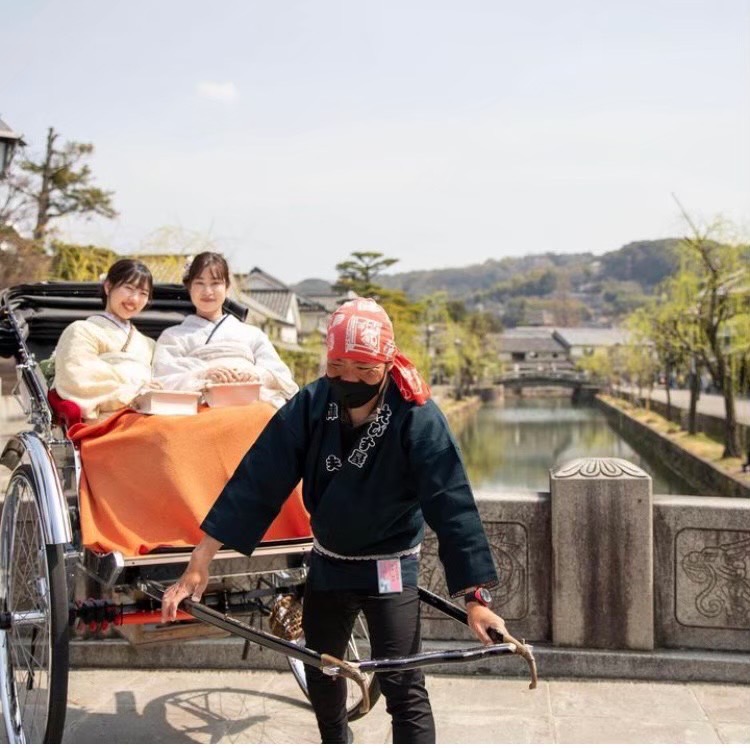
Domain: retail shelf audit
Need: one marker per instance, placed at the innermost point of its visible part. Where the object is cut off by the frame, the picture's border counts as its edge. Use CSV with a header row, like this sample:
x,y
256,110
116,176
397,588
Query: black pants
x,y
393,623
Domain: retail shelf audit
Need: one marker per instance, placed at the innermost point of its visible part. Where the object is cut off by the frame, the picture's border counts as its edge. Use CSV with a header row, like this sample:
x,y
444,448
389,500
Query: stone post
x,y
602,555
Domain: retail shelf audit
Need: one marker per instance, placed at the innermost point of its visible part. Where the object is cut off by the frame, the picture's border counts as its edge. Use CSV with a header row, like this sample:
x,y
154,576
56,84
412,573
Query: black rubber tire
x,y
30,567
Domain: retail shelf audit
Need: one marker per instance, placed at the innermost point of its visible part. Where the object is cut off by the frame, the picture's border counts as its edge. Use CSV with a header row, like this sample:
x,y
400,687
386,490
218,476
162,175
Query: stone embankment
x,y
459,412
705,474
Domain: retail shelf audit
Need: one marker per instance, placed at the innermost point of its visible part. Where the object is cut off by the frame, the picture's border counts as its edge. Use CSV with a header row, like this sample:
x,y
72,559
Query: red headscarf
x,y
361,330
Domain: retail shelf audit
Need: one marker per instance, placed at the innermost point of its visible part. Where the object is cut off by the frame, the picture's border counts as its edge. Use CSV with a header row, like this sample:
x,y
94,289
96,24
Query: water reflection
x,y
514,445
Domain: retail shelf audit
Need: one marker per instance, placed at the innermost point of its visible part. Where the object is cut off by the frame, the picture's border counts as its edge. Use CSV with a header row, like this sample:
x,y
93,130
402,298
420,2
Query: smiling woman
x,y
212,347
103,361
101,364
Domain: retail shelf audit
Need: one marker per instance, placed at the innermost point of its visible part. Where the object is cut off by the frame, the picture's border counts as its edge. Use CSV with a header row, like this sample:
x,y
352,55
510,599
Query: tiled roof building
x,y
556,347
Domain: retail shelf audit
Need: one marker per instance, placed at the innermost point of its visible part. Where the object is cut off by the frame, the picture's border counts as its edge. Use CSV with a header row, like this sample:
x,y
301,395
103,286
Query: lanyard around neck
x,y
127,330
216,327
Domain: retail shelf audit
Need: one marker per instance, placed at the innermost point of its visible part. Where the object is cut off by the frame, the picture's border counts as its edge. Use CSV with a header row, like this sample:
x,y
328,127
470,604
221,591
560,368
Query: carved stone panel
x,y
712,578
517,525
510,550
702,572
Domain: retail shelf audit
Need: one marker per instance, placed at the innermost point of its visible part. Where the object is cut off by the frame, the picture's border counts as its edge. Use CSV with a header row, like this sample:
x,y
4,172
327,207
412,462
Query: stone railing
x,y
601,563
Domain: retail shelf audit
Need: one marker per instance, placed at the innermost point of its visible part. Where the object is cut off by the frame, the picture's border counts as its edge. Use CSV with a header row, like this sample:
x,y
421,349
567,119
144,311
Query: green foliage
x,y
572,288
358,273
515,313
535,283
306,365
699,317
463,282
565,311
641,366
456,310
597,365
60,185
658,345
47,367
74,262
444,340
646,262
622,297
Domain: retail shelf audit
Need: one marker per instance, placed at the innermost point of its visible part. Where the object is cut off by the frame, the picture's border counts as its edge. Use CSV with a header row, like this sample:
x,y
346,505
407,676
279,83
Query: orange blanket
x,y
148,481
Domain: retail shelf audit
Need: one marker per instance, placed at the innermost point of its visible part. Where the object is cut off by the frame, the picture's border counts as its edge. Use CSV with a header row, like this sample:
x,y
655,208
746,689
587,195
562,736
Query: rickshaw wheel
x,y
357,649
34,612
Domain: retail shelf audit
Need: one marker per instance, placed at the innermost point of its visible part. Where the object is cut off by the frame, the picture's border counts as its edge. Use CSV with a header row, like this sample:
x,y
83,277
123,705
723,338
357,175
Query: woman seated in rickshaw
x,y
102,362
213,347
147,481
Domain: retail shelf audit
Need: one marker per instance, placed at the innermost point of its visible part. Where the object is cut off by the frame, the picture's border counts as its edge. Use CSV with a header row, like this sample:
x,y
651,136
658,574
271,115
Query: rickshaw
x,y
51,585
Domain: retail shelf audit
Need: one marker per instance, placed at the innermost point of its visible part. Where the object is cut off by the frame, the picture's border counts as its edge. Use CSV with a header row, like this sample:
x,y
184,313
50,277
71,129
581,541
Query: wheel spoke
x,y
27,684
30,661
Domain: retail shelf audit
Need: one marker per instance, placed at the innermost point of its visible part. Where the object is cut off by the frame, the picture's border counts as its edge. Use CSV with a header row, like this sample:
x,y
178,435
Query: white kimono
x,y
100,365
185,353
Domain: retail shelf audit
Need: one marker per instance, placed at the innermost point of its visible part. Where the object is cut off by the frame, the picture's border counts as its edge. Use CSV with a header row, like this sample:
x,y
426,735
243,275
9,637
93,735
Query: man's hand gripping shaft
x,y
193,581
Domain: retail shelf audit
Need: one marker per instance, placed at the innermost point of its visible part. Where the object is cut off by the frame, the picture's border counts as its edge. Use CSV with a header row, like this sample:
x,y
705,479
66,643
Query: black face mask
x,y
353,394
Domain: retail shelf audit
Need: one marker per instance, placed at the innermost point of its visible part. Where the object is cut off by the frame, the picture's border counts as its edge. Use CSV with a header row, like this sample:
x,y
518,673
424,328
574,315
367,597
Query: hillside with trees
x,y
559,289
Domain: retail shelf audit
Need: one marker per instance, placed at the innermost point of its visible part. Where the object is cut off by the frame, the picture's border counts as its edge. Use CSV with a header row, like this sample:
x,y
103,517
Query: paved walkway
x,y
711,405
262,706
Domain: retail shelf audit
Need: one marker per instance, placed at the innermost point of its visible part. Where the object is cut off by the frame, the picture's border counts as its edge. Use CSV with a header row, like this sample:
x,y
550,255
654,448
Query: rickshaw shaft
x,y
425,659
98,611
310,657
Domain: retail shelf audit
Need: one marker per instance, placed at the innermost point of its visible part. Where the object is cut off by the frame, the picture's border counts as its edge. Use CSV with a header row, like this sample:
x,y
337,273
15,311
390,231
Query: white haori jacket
x,y
186,352
101,366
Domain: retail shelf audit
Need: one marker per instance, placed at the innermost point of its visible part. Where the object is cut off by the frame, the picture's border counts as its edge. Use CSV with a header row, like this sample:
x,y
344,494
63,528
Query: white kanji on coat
x,y
333,463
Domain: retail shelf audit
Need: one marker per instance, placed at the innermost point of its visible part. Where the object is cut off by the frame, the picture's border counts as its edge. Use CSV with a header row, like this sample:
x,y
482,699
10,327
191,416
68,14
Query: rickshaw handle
x,y
334,667
459,614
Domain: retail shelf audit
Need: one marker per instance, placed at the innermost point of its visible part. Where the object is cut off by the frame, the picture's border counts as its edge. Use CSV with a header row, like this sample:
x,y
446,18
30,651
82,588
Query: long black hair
x,y
129,271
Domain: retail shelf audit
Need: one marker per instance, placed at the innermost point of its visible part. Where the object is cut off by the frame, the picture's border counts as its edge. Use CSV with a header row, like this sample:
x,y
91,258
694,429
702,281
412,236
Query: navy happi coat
x,y
403,468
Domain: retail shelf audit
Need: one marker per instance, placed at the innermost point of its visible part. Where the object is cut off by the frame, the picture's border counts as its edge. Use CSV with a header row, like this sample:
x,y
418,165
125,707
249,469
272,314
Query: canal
x,y
514,444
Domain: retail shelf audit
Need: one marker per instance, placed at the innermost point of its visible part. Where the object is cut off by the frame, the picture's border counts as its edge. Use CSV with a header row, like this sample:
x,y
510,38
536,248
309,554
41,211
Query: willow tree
x,y
718,276
599,366
641,366
660,326
675,323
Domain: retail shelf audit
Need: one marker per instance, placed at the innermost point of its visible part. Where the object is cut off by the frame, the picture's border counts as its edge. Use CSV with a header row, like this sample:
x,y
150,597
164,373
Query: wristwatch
x,y
480,595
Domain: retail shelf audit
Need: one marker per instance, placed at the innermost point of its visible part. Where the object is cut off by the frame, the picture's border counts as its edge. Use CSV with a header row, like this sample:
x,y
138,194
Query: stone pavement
x,y
711,405
262,706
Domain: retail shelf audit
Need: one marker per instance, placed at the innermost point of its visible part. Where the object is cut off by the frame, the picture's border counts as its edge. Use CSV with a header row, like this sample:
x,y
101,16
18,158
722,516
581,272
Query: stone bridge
x,y
600,569
583,387
605,578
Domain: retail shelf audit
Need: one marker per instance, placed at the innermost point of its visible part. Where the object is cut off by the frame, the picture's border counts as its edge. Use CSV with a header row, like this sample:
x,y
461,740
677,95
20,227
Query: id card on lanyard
x,y
389,575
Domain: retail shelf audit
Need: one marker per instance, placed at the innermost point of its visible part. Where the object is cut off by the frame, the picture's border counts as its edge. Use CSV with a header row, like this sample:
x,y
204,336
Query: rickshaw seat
x,y
68,412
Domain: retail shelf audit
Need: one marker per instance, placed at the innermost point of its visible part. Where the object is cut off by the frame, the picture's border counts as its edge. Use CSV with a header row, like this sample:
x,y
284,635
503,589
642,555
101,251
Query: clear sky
x,y
440,132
